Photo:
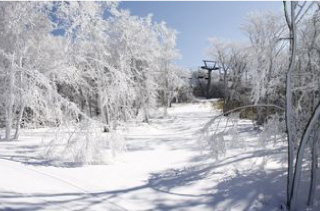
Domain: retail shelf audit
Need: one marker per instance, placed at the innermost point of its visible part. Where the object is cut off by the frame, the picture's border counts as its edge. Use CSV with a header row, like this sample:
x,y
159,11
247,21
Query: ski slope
x,y
163,169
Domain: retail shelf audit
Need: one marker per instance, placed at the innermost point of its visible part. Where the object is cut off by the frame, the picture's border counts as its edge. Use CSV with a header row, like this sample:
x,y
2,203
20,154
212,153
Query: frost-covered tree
x,y
81,64
220,52
135,49
232,61
23,25
265,31
167,72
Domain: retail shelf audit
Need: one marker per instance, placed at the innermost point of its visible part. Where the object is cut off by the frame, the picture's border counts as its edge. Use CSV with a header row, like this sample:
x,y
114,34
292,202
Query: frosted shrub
x,y
221,135
84,144
236,140
218,146
273,129
116,144
213,142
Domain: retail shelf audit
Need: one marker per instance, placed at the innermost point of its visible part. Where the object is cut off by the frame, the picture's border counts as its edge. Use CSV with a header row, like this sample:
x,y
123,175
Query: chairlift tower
x,y
209,66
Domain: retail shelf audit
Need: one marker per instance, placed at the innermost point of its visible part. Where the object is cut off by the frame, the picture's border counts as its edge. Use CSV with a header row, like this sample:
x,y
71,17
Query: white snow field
x,y
163,169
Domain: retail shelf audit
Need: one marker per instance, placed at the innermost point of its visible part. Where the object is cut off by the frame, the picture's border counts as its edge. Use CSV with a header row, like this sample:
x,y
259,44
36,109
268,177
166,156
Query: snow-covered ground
x,y
163,169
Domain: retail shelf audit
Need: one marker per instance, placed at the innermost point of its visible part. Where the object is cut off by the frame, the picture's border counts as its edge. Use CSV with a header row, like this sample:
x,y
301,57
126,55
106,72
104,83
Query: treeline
x,y
255,71
69,61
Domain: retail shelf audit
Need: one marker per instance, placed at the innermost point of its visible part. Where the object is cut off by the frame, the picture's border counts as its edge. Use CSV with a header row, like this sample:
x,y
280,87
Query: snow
x,y
164,168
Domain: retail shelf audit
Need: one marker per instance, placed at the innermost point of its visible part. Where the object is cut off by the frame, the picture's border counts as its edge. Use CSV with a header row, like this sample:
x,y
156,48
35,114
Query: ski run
x,y
164,167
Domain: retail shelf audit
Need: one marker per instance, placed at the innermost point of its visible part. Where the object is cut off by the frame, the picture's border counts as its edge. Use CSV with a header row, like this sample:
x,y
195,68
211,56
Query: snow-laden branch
x,y
208,124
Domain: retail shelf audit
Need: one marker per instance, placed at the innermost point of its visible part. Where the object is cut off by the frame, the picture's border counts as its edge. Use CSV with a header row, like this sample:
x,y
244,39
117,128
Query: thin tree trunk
x,y
306,136
107,115
268,81
124,114
90,106
225,89
166,91
97,108
314,172
9,101
166,102
288,110
19,119
22,104
102,112
146,114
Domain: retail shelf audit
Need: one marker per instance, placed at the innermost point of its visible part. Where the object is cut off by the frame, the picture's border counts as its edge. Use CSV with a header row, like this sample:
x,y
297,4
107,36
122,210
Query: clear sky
x,y
197,21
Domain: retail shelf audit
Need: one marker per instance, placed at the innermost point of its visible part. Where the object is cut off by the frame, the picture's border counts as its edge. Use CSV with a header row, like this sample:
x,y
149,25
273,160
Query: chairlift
x,y
209,66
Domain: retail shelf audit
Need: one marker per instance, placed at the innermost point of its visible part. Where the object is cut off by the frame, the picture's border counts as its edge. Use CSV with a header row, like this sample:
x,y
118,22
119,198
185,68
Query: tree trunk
x,y
90,106
102,112
225,86
306,136
9,101
268,82
107,115
165,103
19,119
314,172
22,105
166,92
146,114
288,110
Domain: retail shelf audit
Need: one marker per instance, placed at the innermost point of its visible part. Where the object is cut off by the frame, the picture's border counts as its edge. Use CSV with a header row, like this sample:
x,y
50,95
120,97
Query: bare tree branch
x,y
305,12
286,14
207,125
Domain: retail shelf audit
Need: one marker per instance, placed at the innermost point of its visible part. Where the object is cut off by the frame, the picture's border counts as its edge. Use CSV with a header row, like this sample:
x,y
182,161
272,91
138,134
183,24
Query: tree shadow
x,y
24,153
254,190
248,190
60,201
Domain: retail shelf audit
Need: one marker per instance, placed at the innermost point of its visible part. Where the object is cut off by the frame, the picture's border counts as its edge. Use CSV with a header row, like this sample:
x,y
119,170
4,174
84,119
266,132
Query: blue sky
x,y
197,21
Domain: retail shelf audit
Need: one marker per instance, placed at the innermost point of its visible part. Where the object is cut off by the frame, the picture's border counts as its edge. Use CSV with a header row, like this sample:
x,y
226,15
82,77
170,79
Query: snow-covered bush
x,y
213,144
221,136
235,140
273,129
84,143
